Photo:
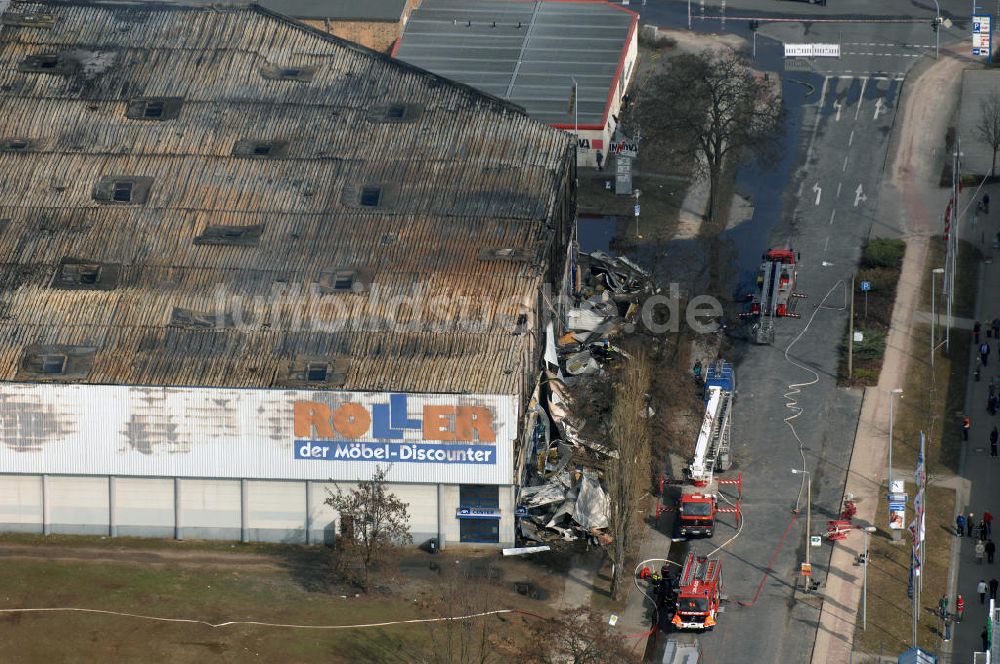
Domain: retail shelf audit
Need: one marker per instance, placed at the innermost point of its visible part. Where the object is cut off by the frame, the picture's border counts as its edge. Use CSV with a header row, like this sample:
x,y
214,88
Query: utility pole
x,y
937,29
850,336
896,533
864,596
936,271
796,471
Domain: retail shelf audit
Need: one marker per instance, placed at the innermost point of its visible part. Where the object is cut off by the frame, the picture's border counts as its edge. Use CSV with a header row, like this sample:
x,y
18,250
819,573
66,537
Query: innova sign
x,y
393,431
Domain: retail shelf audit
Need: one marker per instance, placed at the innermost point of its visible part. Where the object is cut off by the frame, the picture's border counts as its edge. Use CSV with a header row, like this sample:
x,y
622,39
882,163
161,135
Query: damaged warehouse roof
x,y
226,197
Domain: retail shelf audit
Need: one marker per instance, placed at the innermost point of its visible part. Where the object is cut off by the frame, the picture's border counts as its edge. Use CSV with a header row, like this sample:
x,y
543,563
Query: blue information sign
x,y
866,286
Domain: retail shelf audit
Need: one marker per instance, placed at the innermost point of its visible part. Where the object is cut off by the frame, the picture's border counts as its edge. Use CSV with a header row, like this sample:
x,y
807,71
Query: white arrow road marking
x,y
861,99
859,197
819,192
837,106
878,108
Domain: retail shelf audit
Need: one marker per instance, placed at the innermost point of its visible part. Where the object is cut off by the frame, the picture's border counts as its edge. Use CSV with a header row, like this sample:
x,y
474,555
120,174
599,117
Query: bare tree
x,y
989,126
478,640
378,522
627,476
712,108
577,636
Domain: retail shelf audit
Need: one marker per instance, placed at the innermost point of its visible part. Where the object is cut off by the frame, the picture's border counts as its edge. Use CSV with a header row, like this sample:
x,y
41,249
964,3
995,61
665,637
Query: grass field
x,y
890,622
218,593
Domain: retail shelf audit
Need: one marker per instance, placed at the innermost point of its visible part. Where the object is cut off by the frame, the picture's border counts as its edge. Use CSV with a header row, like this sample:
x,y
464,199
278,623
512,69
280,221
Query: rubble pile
x,y
564,498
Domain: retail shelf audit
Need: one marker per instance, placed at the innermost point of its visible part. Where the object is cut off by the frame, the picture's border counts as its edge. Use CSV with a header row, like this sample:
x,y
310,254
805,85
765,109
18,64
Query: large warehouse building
x,y
245,260
534,54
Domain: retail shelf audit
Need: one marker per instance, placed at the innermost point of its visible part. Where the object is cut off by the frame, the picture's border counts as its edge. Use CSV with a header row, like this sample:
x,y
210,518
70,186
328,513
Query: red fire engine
x,y
699,593
775,293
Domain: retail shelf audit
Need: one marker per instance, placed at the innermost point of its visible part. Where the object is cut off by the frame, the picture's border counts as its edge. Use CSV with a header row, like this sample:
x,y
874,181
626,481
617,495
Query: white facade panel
x,y
276,505
214,505
21,500
78,504
449,507
143,502
255,434
421,500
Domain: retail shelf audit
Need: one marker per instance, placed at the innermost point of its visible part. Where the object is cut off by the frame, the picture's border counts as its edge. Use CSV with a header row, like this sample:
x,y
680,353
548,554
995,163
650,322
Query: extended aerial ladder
x,y
699,501
775,295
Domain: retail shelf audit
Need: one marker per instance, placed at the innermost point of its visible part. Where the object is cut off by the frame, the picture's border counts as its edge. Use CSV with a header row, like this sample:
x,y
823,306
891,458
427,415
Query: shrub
x,y
883,252
872,348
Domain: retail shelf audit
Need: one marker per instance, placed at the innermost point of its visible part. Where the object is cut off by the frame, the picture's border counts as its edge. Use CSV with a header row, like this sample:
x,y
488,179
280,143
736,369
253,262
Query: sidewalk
x,y
977,467
866,474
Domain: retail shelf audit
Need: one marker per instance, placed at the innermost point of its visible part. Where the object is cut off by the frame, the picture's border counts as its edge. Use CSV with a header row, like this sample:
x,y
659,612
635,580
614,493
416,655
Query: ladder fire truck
x,y
775,296
699,593
699,502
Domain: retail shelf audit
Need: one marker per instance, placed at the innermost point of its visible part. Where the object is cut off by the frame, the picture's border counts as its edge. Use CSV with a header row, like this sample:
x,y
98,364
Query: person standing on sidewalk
x,y
994,435
975,332
981,589
981,531
980,550
943,607
988,520
996,327
984,353
991,549
994,584
960,525
970,524
959,608
966,425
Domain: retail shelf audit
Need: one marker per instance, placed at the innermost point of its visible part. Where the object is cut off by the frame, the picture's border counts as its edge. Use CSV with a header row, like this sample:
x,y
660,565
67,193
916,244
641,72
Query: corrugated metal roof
x,y
341,10
527,52
460,174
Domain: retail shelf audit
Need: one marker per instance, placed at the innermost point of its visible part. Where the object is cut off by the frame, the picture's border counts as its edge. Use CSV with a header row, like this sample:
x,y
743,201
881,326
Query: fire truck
x,y
699,501
699,593
775,294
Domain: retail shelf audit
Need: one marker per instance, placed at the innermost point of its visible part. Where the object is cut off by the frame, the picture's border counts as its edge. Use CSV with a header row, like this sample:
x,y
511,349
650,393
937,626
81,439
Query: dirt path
x,y
145,557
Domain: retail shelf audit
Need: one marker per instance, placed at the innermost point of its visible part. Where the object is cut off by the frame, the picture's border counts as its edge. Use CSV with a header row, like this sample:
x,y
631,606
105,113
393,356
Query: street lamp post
x,y
936,271
937,28
809,490
689,14
896,534
864,596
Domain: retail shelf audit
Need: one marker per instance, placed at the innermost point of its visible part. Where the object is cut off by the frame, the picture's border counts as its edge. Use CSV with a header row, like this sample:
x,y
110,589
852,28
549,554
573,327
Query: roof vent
x,y
55,362
29,20
300,74
48,63
260,149
194,320
14,144
154,108
123,189
315,372
78,274
397,112
515,255
231,236
341,280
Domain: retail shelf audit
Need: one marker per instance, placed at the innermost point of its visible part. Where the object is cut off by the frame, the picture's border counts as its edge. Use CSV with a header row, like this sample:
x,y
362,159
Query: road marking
x,y
812,137
833,214
844,169
878,108
861,99
859,197
819,192
826,244
837,106
850,141
839,184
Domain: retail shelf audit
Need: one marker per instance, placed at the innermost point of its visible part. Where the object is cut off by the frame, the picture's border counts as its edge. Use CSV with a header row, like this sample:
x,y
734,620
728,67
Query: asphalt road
x,y
826,207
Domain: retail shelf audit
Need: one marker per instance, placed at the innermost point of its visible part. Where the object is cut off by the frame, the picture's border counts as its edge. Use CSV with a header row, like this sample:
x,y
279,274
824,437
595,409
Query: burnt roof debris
x,y
183,161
